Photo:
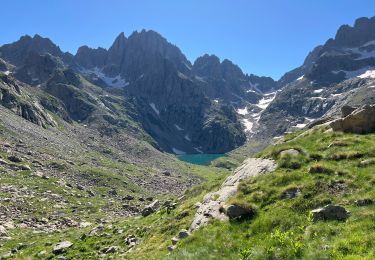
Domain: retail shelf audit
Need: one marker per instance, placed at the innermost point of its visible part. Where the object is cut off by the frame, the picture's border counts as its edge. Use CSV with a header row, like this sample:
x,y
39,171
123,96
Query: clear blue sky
x,y
264,37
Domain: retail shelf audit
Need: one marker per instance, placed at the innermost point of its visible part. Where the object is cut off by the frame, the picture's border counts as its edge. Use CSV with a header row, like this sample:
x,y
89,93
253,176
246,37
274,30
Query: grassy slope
x,y
154,232
283,228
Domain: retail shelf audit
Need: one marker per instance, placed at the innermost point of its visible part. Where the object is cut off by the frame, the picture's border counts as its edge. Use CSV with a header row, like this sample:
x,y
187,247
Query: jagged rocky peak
x,y
362,32
117,51
90,58
210,66
150,45
16,52
351,51
207,66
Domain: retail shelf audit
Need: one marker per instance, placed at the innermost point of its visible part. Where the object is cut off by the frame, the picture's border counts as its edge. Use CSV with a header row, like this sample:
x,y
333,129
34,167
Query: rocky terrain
x,y
88,144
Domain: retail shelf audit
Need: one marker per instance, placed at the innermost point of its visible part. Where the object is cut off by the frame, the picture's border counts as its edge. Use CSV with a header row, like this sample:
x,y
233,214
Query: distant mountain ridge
x,y
209,105
185,107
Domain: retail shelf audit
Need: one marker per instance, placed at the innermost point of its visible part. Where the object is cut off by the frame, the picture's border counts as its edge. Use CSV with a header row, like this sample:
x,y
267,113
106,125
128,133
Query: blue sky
x,y
264,37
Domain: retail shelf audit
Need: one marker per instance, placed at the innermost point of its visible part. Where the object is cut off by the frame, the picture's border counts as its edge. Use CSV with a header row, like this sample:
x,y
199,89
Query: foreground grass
x,y
283,228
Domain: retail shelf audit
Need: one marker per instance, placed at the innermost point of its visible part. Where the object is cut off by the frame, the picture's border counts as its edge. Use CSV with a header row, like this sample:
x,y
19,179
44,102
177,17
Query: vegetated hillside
x,y
56,187
324,168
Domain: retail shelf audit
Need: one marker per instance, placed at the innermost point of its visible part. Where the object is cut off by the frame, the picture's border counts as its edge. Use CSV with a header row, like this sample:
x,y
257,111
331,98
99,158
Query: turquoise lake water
x,y
200,159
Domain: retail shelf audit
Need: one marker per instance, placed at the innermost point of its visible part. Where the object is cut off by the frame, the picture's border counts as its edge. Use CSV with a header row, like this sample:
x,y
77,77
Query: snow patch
x,y
178,127
300,78
7,72
187,137
320,98
216,100
116,82
317,91
301,125
242,111
266,100
248,125
178,152
152,105
368,74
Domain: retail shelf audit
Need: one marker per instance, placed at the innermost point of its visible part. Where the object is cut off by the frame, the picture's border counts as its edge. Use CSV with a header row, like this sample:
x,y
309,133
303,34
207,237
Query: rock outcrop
x,y
360,121
212,206
239,212
330,212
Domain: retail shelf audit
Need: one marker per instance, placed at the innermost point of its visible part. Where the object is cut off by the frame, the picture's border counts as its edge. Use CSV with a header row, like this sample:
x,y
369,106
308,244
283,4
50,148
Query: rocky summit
x,y
103,152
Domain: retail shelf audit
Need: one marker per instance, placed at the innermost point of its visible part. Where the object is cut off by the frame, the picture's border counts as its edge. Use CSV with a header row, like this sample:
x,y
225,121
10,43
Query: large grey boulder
x,y
360,121
330,212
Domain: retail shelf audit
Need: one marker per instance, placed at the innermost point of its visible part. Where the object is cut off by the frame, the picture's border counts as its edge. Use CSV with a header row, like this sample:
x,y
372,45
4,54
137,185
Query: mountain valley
x,y
90,145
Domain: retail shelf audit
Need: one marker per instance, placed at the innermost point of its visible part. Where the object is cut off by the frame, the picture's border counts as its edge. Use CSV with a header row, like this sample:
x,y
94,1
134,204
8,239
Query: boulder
x,y
289,152
236,211
166,173
151,208
3,231
61,247
128,197
360,121
14,159
2,162
364,202
24,167
183,234
110,250
291,193
330,212
131,240
171,248
90,193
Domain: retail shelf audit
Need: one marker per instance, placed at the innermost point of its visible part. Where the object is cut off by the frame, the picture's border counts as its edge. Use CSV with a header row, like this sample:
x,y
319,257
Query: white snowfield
x,y
116,82
252,118
248,125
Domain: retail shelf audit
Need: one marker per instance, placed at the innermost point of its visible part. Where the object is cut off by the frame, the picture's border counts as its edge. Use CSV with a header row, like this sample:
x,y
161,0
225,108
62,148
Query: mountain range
x,y
88,144
186,107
